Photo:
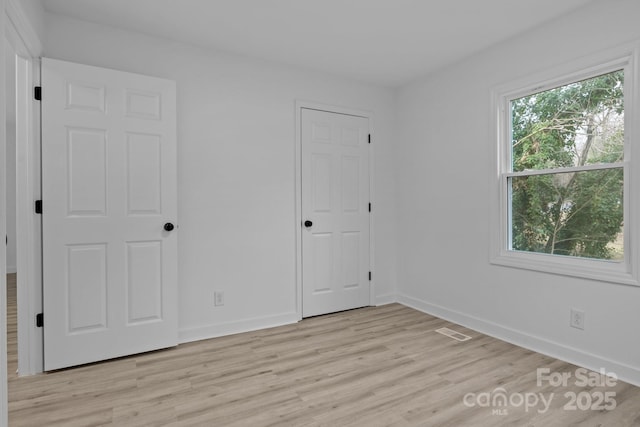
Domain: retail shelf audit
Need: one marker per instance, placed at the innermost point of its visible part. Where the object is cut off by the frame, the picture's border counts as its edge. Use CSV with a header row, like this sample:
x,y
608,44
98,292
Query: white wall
x,y
236,169
34,13
443,168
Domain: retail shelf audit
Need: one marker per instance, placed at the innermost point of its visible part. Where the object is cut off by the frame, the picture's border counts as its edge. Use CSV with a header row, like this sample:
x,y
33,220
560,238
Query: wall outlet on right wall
x,y
577,319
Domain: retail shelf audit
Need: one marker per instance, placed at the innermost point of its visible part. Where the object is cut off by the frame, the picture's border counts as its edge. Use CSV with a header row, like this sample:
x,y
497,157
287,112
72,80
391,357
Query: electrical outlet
x,y
218,299
577,319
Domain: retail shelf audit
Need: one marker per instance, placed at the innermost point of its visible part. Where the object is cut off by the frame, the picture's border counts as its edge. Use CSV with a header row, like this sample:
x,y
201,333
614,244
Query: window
x,y
566,177
563,174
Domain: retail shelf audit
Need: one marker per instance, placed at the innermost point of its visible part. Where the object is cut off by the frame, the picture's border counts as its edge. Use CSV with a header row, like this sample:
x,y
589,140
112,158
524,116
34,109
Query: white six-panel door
x,y
335,212
108,187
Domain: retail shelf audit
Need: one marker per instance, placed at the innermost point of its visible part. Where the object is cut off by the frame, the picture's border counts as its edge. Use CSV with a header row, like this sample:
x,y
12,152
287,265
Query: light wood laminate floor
x,y
379,366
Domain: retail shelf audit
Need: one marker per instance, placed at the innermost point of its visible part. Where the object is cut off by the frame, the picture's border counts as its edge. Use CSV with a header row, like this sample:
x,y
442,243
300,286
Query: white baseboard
x,y
254,324
386,299
624,372
11,269
237,327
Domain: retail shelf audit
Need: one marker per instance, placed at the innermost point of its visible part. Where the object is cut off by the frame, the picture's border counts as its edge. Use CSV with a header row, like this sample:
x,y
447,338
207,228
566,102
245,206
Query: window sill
x,y
604,271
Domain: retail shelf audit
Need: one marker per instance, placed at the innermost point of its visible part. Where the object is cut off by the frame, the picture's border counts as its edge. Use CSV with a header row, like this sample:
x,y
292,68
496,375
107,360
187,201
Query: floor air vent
x,y
453,334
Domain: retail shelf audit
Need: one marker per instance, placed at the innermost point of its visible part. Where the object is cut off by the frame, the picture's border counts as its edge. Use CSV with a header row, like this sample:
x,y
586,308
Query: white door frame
x,y
299,105
25,42
4,419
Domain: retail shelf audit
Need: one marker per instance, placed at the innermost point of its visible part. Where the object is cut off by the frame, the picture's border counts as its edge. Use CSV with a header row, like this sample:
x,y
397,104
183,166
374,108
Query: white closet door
x,y
335,212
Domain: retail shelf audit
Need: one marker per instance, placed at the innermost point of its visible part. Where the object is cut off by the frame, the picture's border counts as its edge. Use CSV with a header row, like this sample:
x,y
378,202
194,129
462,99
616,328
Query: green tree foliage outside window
x,y
566,205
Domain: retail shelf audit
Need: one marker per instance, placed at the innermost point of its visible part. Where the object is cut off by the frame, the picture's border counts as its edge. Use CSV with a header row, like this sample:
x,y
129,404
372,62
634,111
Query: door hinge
x,y
37,93
369,138
369,207
38,206
369,276
39,320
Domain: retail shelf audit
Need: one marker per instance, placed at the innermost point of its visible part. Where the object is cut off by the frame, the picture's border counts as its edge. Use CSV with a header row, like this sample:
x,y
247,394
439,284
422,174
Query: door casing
x,y
23,39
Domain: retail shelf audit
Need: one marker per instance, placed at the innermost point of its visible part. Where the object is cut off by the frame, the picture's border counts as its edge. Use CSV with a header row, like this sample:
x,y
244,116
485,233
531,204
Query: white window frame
x,y
621,272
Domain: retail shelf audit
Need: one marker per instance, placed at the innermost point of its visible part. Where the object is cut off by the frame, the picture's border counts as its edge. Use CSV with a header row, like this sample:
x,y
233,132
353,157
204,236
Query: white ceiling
x,y
386,42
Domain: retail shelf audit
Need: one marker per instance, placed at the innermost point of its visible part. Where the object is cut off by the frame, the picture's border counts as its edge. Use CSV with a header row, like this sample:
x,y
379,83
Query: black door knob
x,y
308,223
168,226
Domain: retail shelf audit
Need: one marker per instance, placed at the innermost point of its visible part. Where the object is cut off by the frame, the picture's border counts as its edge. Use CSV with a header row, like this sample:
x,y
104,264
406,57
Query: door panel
x,y
87,287
335,198
87,172
144,279
144,173
322,183
109,185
